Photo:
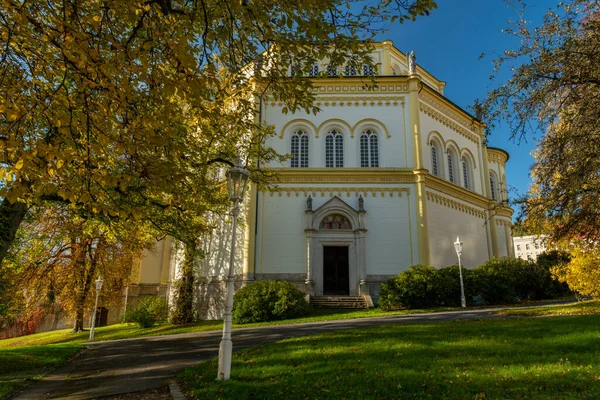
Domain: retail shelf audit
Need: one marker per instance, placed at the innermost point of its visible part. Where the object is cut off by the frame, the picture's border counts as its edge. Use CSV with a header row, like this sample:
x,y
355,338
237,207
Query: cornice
x,y
444,120
496,155
359,101
440,102
455,205
344,175
455,191
338,191
503,211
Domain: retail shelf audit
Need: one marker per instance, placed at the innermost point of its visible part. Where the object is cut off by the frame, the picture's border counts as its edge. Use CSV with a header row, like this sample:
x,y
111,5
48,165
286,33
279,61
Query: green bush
x,y
149,311
263,301
414,288
510,280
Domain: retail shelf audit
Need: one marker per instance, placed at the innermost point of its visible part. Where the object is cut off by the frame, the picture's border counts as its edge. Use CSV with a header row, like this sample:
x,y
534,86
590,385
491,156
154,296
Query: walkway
x,y
130,365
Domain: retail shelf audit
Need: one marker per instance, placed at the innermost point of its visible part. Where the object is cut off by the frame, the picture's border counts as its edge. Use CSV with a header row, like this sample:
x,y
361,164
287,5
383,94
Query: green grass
x,y
579,308
541,358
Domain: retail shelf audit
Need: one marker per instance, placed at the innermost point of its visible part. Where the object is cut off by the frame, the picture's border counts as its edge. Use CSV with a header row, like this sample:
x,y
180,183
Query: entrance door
x,y
336,277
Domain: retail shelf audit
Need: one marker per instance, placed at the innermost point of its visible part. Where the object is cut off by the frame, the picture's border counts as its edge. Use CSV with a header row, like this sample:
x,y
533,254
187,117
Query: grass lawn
x,y
579,308
524,358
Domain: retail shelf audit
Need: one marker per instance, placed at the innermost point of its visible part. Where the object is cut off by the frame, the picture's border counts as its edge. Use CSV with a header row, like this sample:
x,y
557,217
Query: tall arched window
x,y
299,149
434,160
334,149
369,149
466,170
451,172
493,186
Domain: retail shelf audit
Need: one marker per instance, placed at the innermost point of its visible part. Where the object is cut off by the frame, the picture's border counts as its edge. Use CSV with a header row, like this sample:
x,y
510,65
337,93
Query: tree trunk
x,y
184,310
85,284
11,216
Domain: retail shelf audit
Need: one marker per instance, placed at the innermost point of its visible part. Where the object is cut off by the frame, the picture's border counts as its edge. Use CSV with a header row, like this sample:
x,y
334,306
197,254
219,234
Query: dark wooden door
x,y
336,276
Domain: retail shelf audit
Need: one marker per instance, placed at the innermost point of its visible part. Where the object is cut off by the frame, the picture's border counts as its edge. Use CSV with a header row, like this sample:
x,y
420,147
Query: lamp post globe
x,y
99,283
458,246
237,180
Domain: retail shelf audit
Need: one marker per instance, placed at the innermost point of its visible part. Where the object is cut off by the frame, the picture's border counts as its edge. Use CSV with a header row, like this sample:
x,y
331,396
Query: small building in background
x,y
529,247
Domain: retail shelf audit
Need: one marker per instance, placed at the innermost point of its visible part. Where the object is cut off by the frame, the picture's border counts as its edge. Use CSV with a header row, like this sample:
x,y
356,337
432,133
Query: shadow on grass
x,y
539,358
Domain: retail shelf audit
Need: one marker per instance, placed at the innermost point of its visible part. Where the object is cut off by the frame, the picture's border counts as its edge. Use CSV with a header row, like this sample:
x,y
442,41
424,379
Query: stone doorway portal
x,y
336,271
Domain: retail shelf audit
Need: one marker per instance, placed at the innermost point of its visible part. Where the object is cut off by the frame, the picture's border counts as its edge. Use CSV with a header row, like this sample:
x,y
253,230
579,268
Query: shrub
x,y
510,280
263,301
447,286
414,288
149,311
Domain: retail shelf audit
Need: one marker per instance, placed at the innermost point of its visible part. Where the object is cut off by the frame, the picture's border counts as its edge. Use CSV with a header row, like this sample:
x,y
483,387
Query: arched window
x,y
332,70
395,70
314,70
451,172
368,70
493,186
434,160
334,149
369,149
350,70
466,171
299,149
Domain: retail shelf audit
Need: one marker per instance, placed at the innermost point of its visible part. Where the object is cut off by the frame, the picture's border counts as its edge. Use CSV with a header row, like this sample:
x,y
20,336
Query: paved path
x,y
130,365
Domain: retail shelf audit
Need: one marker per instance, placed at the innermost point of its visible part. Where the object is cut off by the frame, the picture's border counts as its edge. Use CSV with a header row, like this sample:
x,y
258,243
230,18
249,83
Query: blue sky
x,y
449,43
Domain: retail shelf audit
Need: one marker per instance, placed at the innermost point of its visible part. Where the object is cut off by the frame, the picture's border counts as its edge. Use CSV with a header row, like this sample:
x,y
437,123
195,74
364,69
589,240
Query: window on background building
x,y
537,246
299,149
529,258
434,160
369,149
519,247
527,246
334,149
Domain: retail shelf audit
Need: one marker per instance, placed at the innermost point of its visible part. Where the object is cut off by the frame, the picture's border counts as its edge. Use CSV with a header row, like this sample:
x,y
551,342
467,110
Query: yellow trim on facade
x,y
299,121
455,191
166,260
374,122
455,205
338,191
343,175
497,156
336,121
469,153
250,228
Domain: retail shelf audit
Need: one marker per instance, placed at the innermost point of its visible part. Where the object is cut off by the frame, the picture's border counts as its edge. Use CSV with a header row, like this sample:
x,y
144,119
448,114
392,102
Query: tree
x,y
554,91
114,106
582,272
59,255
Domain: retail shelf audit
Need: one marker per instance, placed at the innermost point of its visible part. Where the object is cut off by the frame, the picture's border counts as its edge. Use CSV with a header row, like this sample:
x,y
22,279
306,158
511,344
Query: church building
x,y
381,179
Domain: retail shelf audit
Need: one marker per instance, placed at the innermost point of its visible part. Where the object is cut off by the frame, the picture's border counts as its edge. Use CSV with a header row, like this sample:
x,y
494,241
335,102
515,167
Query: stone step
x,y
338,302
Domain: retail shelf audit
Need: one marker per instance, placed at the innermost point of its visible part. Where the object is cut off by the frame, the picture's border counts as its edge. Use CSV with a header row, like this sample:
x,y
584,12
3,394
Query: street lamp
x,y
458,245
99,283
237,179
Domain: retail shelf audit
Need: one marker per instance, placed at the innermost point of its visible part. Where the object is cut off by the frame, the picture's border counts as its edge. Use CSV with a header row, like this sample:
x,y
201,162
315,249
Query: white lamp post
x,y
237,179
458,245
99,283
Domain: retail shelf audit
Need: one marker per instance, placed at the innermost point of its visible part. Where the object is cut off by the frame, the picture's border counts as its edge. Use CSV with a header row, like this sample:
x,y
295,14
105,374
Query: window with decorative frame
x,y
350,70
434,160
493,186
368,70
369,149
466,173
334,149
451,172
299,149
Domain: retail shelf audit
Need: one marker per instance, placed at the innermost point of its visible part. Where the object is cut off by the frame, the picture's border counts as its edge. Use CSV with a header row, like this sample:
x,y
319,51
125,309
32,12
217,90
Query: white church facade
x,y
380,179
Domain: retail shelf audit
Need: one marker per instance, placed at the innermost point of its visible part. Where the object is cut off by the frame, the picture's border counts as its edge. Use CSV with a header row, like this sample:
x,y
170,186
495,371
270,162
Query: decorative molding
x,y
338,191
438,116
344,175
496,156
455,205
450,110
299,122
392,85
333,121
455,191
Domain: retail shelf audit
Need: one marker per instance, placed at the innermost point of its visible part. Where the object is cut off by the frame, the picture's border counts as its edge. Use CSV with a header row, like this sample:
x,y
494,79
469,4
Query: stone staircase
x,y
339,302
